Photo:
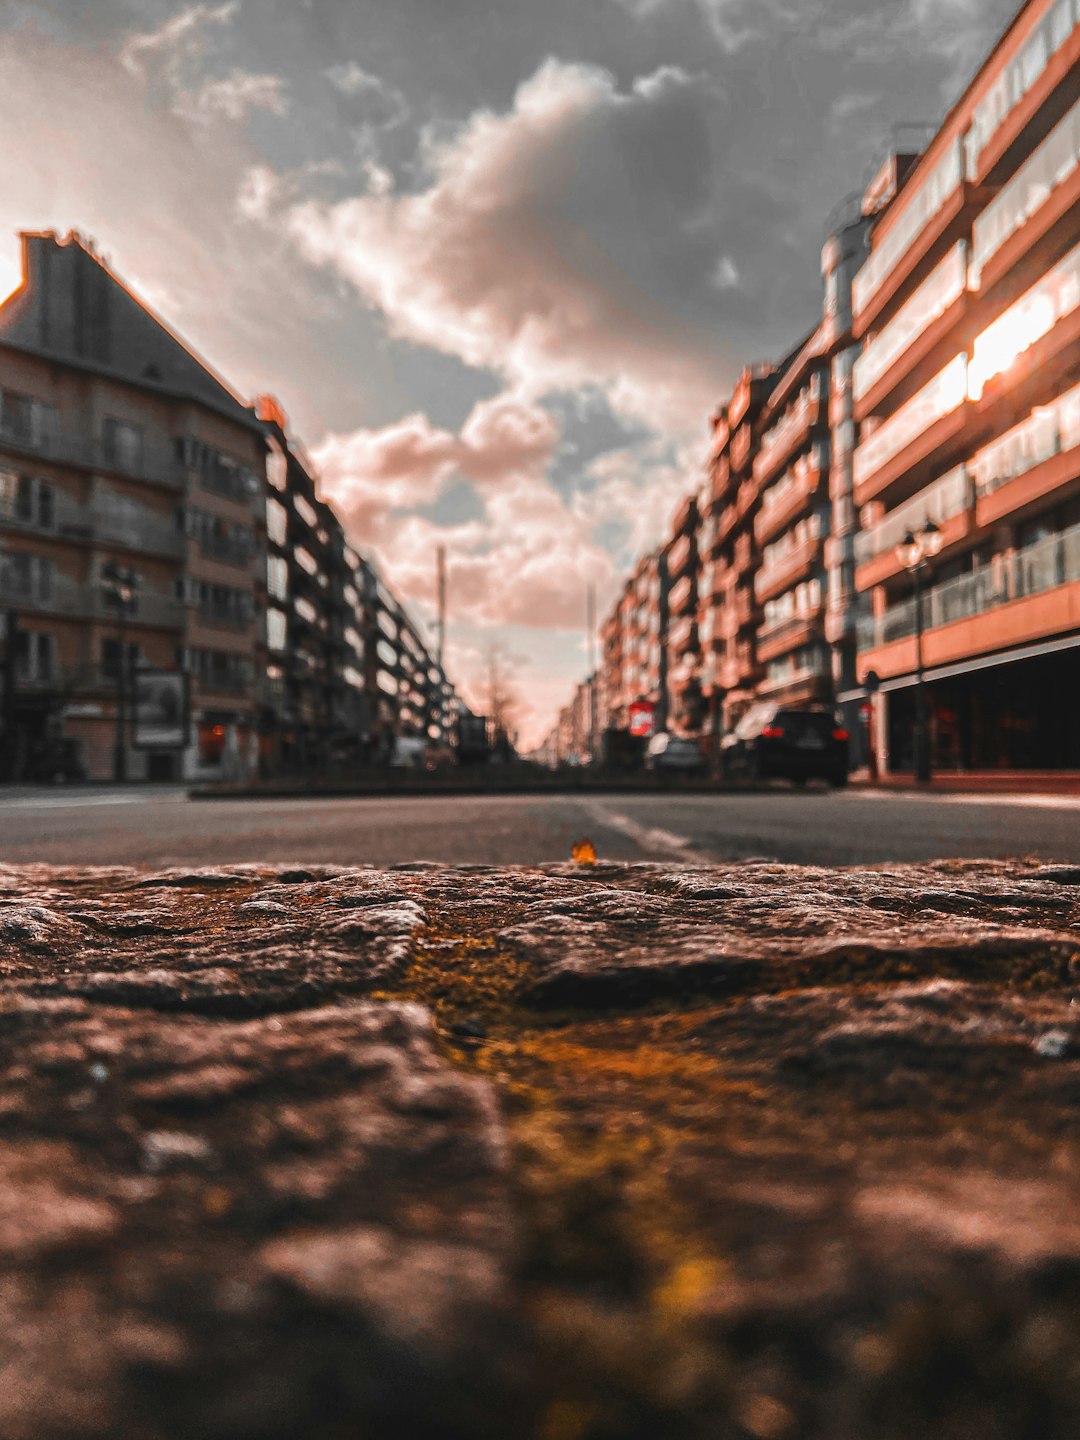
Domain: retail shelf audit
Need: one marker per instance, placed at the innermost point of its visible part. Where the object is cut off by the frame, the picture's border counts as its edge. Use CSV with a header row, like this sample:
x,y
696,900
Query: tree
x,y
501,694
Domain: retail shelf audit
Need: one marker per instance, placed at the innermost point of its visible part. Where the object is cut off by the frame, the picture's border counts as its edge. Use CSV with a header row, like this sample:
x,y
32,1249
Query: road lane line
x,y
74,802
649,837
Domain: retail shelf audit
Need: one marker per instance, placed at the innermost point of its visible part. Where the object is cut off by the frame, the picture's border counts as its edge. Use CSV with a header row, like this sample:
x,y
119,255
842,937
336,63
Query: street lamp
x,y
916,550
118,587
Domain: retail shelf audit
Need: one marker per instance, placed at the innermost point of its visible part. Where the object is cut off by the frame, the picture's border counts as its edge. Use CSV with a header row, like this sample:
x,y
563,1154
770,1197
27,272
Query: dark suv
x,y
773,743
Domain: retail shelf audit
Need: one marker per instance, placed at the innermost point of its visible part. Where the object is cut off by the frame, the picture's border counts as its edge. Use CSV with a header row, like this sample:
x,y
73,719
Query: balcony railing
x,y
1025,323
226,550
778,676
1018,78
918,208
156,466
1046,432
945,393
64,596
66,519
951,495
1051,165
781,441
942,288
1031,571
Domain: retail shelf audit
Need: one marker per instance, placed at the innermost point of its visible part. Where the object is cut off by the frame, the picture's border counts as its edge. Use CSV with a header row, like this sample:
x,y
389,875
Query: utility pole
x,y
440,561
118,587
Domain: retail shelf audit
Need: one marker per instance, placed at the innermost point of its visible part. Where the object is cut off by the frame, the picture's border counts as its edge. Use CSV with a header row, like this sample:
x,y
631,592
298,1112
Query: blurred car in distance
x,y
771,742
673,753
409,752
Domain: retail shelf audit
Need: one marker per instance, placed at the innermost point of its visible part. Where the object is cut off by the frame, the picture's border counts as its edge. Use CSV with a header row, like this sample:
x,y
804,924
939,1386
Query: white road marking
x,y
649,837
74,802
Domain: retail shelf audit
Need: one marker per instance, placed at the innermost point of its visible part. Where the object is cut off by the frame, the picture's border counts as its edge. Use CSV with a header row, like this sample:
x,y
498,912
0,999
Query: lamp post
x,y
118,587
916,550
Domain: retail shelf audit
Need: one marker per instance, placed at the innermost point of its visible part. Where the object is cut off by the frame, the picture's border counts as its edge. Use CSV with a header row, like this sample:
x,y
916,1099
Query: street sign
x,y
642,718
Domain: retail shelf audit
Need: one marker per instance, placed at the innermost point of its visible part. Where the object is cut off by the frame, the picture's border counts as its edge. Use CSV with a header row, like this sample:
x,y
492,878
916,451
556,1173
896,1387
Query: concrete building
x,y
733,550
121,452
316,702
966,392
680,680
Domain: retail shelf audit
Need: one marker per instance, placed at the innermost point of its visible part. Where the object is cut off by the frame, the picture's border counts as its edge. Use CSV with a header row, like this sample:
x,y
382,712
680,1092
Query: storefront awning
x,y
966,667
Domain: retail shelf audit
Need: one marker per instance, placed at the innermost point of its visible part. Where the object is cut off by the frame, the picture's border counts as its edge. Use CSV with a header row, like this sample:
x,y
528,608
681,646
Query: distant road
x,y
159,826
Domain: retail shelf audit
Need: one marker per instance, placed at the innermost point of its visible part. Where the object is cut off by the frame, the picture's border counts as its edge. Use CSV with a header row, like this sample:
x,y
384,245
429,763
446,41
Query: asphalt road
x,y
162,826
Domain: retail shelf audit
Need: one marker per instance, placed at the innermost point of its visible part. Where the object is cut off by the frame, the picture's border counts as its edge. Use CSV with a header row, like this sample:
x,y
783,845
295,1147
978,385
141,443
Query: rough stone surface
x,y
579,1154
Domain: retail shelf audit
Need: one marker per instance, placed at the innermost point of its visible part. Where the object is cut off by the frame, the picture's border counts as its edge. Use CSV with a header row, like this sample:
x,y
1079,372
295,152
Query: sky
x,y
498,259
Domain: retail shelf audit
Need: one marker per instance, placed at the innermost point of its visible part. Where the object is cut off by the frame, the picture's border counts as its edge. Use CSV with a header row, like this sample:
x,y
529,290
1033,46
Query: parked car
x,y
771,742
409,752
673,753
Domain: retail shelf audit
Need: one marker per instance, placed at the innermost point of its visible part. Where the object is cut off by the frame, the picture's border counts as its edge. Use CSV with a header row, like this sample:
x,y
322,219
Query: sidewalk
x,y
983,782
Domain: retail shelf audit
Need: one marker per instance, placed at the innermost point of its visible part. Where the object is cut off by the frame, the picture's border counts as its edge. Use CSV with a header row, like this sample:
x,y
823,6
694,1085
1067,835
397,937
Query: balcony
x,y
129,527
1051,432
953,494
812,677
73,599
740,447
1039,194
226,551
912,230
780,443
780,506
778,575
1037,76
913,332
931,418
680,556
1032,571
155,466
789,634
683,597
746,498
1038,326
747,610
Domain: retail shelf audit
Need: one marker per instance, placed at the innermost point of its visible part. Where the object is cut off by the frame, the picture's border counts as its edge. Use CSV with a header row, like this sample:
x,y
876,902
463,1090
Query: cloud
x,y
184,34
237,94
555,244
527,558
172,58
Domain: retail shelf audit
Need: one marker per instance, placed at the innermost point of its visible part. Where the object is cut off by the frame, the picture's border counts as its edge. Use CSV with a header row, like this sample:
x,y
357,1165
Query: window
x,y
305,560
277,577
277,468
305,511
222,603
26,500
25,577
27,421
277,629
35,657
122,444
277,522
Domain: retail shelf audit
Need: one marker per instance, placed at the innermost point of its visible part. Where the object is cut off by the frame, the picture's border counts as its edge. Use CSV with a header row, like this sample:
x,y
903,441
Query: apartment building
x,y
680,623
122,454
967,472
317,708
733,552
